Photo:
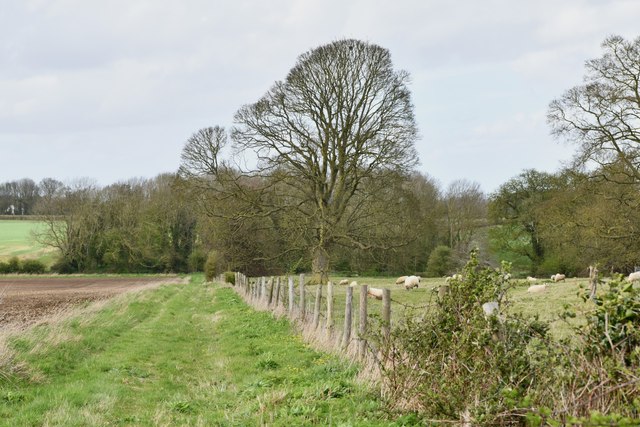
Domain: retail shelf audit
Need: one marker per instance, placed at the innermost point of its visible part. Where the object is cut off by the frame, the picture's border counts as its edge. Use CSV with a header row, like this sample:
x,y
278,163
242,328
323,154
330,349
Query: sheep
x,y
537,288
531,279
558,277
353,284
344,282
400,280
634,277
454,277
411,282
375,293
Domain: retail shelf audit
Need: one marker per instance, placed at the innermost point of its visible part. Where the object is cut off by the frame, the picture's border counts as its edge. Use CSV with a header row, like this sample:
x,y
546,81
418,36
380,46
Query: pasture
x,y
17,239
548,306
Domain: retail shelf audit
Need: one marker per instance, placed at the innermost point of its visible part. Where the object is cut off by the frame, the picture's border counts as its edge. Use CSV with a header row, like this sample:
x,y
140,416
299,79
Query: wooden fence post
x,y
270,284
362,326
303,307
316,307
329,307
348,310
593,281
291,296
277,292
386,314
263,288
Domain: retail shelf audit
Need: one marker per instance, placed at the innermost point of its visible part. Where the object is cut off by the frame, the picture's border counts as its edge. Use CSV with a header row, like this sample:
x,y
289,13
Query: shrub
x,y
211,265
455,362
612,327
4,268
230,277
604,361
64,266
13,265
32,266
440,261
197,260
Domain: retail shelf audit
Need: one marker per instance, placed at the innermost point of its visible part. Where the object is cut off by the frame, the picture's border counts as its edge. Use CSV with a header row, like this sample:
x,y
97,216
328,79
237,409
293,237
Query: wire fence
x,y
339,320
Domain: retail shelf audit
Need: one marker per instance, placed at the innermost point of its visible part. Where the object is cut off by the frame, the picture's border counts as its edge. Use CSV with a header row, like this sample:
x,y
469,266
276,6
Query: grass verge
x,y
178,355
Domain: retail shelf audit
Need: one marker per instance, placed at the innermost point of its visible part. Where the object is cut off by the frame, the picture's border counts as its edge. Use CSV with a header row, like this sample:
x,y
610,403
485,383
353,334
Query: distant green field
x,y
16,239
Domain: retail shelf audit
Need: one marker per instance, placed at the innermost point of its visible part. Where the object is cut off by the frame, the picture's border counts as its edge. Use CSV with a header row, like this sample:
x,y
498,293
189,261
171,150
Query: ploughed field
x,y
24,300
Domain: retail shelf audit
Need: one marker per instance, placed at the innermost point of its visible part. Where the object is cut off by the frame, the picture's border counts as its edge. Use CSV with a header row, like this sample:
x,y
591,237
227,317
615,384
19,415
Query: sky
x,y
111,90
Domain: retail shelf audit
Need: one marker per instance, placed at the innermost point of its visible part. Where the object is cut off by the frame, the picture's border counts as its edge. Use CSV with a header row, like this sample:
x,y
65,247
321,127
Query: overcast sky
x,y
111,90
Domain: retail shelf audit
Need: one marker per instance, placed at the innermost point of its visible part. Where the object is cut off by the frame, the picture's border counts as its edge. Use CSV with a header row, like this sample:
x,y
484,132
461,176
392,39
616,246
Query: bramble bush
x,y
449,361
454,362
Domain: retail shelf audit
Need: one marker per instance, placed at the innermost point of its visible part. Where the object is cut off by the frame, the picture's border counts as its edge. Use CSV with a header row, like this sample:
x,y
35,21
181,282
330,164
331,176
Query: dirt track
x,y
25,300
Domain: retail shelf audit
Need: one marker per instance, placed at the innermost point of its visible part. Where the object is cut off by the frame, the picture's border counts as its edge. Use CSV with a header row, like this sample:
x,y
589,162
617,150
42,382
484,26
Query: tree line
x,y
21,197
322,177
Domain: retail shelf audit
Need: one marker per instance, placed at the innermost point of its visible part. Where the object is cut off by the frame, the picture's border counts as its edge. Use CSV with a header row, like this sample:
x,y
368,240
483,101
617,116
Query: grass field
x,y
16,239
178,355
547,306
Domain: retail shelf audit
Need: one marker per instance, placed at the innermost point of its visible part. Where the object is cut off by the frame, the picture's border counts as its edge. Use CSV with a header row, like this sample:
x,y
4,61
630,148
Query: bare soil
x,y
26,300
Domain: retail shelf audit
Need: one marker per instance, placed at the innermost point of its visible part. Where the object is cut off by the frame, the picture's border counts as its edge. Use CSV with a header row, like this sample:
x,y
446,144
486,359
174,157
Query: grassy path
x,y
179,355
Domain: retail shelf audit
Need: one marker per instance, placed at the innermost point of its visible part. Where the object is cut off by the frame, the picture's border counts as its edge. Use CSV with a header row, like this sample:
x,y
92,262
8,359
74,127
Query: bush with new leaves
x,y
211,265
454,362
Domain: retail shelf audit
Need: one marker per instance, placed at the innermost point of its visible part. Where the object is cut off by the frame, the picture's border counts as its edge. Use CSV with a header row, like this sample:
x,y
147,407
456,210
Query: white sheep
x,y
375,293
633,277
411,282
353,284
400,280
537,288
344,282
531,279
558,277
454,277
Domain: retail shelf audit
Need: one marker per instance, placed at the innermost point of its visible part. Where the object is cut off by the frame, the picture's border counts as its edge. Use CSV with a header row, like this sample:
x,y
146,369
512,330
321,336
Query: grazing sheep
x,y
531,279
344,282
353,284
375,293
558,277
411,282
537,288
454,277
400,280
634,277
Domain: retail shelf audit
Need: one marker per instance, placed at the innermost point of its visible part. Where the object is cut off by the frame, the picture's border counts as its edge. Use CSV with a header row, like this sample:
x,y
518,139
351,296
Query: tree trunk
x,y
320,264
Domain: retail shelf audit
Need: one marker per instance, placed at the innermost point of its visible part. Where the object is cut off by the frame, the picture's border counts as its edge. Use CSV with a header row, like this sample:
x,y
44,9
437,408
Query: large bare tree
x,y
343,116
602,116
